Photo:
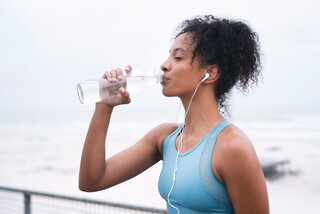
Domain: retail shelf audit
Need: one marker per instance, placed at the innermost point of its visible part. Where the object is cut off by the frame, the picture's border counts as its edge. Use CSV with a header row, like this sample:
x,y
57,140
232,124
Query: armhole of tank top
x,y
168,139
211,183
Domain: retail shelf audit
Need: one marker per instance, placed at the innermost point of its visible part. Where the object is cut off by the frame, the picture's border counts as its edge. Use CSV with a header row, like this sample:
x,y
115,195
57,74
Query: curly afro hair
x,y
232,46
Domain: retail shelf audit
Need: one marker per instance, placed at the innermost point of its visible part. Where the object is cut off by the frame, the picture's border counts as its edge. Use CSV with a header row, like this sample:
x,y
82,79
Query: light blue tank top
x,y
196,188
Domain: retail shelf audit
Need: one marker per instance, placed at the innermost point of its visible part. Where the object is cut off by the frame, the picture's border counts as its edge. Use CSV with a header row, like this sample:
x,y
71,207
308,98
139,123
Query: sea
x,y
46,157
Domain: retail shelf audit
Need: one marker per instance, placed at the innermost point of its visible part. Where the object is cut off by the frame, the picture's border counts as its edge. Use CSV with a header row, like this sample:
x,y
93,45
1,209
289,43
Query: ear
x,y
214,72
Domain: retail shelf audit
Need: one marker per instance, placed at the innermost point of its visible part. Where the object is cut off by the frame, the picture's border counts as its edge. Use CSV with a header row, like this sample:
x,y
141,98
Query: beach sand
x,y
297,188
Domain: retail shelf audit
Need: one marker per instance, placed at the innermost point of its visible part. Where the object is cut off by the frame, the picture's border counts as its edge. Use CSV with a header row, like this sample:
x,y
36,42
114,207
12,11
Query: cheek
x,y
173,88
179,87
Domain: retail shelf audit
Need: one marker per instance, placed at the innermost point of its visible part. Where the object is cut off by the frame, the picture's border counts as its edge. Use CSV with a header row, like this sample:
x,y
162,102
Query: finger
x,y
119,73
128,68
113,74
107,75
125,95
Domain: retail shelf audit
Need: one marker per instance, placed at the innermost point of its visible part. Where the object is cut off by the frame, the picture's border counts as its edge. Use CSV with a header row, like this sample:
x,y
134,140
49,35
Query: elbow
x,y
89,183
85,183
84,188
90,187
87,188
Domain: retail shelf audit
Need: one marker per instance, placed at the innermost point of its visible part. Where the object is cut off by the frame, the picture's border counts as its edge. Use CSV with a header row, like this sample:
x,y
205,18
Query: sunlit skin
x,y
182,75
234,160
178,69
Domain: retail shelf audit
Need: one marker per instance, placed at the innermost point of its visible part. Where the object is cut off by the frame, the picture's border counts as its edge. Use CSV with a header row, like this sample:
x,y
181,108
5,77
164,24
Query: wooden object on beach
x,y
273,168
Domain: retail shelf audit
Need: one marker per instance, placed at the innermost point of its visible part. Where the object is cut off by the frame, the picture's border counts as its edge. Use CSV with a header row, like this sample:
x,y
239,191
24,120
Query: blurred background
x,y
46,47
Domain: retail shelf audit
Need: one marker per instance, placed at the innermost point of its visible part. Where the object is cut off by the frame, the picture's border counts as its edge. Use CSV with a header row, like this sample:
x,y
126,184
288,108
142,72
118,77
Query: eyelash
x,y
178,58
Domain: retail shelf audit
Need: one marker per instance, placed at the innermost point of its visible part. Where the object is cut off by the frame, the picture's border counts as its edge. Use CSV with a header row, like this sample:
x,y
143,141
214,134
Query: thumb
x,y
125,95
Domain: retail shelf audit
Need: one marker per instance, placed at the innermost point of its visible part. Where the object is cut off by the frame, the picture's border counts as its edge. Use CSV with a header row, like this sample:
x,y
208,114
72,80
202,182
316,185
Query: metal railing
x,y
18,201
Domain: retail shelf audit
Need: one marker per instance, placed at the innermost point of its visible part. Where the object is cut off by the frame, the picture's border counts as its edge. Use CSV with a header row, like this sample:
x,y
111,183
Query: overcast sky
x,y
46,47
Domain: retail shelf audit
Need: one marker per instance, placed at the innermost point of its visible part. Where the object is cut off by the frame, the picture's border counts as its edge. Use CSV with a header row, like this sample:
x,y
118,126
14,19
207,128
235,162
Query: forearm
x,y
92,165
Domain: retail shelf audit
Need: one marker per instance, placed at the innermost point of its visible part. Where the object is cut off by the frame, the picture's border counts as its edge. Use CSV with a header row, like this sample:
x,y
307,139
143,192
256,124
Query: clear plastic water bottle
x,y
92,91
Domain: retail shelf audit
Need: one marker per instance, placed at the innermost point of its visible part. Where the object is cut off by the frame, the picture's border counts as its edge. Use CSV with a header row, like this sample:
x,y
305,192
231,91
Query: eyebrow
x,y
178,49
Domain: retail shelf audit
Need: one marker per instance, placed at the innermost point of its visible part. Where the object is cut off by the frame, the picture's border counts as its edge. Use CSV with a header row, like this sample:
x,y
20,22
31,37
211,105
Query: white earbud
x,y
206,76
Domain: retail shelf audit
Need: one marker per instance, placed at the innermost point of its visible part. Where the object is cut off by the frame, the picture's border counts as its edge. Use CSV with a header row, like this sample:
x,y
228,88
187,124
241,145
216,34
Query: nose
x,y
165,66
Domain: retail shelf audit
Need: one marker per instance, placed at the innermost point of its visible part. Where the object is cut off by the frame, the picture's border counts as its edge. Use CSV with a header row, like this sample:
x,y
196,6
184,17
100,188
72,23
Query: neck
x,y
203,112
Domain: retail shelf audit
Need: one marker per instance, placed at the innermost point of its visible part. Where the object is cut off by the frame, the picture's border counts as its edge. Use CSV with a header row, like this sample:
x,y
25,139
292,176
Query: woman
x,y
209,165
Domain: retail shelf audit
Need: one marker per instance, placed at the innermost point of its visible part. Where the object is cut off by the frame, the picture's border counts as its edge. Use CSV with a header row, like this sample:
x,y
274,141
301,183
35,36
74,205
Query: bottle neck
x,y
150,74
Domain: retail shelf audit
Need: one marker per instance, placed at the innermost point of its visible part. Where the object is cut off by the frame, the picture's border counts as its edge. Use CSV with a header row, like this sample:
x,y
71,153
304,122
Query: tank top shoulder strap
x,y
212,185
170,139
217,129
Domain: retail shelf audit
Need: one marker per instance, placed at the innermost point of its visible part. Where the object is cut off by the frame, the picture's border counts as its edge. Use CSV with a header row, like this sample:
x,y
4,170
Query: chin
x,y
167,93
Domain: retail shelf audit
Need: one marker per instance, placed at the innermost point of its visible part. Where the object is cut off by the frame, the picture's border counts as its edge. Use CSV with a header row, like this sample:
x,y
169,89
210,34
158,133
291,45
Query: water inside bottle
x,y
92,91
107,89
136,84
133,84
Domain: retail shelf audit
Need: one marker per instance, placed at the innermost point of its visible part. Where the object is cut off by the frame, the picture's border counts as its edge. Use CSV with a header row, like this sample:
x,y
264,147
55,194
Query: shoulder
x,y
163,129
159,133
241,172
233,139
235,152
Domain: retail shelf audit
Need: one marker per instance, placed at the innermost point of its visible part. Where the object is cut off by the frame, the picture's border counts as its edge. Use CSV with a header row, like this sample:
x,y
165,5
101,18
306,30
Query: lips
x,y
164,80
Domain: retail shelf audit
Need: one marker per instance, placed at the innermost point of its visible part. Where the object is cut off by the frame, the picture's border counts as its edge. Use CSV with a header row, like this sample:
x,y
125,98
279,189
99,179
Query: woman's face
x,y
181,74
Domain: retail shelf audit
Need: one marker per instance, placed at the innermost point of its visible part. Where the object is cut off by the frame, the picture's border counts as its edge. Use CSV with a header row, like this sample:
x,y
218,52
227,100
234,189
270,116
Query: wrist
x,y
102,107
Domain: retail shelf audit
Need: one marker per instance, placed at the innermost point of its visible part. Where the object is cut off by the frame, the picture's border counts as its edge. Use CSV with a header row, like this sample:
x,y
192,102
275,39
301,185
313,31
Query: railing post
x,y
27,203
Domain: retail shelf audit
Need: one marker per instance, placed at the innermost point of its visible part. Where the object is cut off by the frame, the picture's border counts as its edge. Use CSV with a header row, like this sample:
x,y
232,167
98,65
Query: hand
x,y
123,96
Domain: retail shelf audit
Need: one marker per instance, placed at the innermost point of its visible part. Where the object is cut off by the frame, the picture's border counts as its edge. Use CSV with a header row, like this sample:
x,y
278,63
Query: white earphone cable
x,y
180,145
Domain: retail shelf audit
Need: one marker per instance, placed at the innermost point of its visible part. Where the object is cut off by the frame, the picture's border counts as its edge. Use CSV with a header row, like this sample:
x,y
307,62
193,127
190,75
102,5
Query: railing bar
x,y
72,198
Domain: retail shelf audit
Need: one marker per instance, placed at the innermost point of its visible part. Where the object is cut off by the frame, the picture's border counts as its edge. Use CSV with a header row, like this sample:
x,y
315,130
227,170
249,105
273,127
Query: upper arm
x,y
135,159
242,174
